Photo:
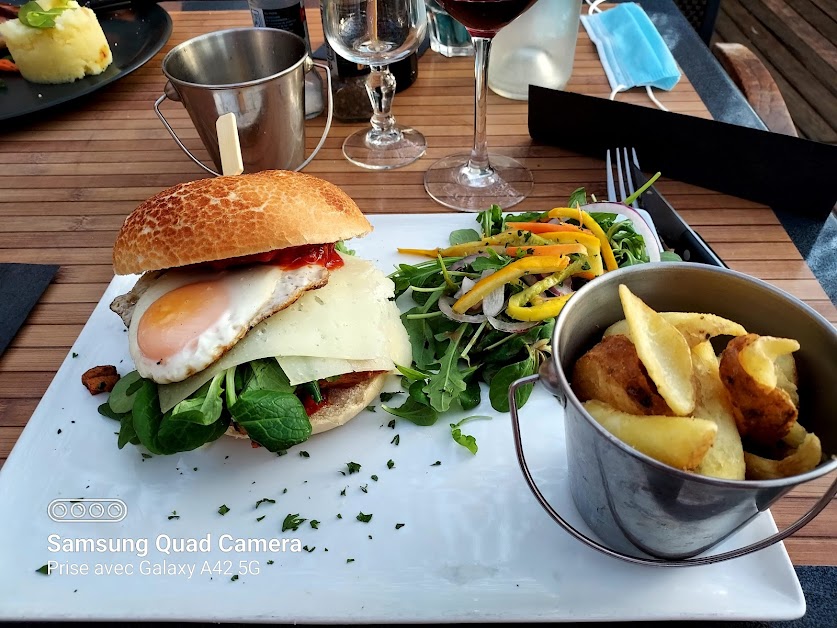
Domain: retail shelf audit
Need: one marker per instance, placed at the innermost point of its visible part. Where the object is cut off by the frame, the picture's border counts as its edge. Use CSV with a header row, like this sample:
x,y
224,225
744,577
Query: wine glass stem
x,y
479,154
380,85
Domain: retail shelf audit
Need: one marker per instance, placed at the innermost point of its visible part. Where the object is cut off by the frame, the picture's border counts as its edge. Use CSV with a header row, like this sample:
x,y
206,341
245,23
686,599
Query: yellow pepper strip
x,y
423,252
515,270
550,249
542,227
568,237
541,309
588,221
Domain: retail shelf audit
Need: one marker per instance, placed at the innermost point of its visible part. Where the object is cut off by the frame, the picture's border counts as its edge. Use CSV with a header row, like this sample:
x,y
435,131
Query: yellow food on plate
x,y
663,350
726,457
801,460
681,442
74,47
736,411
695,327
764,411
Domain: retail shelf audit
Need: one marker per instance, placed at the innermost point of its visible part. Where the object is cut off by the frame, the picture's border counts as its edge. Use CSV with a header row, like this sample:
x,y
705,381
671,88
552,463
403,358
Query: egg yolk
x,y
180,317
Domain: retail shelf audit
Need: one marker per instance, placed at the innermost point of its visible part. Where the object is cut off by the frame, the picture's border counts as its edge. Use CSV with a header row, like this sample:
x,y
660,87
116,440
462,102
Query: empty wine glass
x,y
474,181
377,33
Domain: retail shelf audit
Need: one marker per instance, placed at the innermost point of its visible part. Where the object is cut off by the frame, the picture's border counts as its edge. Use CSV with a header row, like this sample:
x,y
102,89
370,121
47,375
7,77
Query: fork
x,y
626,183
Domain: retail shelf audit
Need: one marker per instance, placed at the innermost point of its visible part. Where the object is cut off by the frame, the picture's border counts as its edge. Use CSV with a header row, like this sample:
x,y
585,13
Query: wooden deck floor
x,y
797,42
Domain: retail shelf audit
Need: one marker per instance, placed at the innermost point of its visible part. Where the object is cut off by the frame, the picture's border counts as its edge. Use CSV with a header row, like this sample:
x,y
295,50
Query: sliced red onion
x,y
642,227
446,306
562,289
467,284
493,303
510,328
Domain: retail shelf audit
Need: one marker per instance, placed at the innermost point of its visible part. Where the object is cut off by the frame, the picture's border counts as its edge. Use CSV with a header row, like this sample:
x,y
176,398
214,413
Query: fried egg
x,y
187,319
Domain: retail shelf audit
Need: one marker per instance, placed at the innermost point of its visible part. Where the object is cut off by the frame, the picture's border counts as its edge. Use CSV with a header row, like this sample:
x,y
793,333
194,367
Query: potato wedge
x,y
763,414
613,373
795,436
695,327
725,459
681,442
806,457
663,350
758,357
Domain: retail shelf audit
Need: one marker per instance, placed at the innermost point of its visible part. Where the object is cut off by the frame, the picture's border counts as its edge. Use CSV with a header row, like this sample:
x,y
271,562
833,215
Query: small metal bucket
x,y
644,511
259,75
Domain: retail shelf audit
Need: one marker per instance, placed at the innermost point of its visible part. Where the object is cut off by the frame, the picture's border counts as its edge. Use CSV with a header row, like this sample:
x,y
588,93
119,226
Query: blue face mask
x,y
631,49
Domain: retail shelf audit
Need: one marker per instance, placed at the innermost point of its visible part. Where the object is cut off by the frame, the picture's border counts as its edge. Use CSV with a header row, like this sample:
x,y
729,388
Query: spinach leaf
x,y
275,420
205,406
147,416
414,411
446,385
470,397
267,375
177,435
526,217
126,431
492,221
461,236
105,410
498,392
121,398
342,248
491,261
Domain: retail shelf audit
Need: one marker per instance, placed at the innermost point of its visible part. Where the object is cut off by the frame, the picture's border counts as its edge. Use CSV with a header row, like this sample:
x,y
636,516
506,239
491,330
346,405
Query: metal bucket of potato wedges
x,y
648,512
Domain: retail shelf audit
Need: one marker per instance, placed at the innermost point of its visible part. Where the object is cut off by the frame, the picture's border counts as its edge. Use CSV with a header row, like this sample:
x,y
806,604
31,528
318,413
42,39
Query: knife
x,y
675,232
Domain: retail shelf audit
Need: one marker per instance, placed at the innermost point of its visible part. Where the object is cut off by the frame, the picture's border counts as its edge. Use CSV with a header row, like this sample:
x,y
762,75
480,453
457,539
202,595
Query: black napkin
x,y
21,285
783,172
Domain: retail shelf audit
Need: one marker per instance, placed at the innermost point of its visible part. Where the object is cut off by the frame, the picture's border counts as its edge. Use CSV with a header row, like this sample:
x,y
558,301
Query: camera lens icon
x,y
87,509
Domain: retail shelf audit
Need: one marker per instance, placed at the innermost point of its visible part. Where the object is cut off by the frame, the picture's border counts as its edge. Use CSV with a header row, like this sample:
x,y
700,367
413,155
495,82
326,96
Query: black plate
x,y
135,35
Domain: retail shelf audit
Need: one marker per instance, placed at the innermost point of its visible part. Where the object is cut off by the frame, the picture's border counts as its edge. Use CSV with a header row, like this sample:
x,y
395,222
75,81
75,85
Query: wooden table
x,y
70,180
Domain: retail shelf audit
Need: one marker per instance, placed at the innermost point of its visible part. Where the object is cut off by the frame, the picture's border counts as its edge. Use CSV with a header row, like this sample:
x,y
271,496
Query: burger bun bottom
x,y
344,404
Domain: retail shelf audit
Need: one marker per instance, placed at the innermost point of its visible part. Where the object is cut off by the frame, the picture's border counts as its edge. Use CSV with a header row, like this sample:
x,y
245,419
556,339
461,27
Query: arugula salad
x,y
485,306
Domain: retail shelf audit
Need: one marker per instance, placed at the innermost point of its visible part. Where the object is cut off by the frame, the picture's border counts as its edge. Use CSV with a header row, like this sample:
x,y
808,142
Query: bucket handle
x,y
655,562
170,93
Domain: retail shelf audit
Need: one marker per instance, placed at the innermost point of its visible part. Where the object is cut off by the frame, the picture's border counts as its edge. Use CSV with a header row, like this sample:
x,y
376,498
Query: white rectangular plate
x,y
475,546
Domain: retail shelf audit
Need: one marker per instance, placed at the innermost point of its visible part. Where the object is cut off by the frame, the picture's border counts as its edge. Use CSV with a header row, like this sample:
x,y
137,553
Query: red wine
x,y
484,18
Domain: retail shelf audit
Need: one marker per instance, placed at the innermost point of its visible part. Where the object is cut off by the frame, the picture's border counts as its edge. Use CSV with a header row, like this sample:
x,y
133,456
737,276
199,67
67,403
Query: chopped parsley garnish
x,y
292,522
350,560
44,570
374,478
386,396
304,454
260,518
284,490
391,424
370,408
282,452
309,549
270,562
265,500
353,467
147,456
364,518
436,464
398,526
339,516
395,440
315,524
234,578
365,488
390,464
343,492
75,355
173,515
223,510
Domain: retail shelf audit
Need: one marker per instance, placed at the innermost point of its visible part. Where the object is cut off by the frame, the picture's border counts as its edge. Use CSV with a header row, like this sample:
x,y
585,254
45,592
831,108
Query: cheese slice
x,y
348,325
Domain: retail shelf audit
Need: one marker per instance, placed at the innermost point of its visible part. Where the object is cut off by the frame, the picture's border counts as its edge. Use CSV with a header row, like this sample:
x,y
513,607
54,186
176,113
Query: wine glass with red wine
x,y
474,181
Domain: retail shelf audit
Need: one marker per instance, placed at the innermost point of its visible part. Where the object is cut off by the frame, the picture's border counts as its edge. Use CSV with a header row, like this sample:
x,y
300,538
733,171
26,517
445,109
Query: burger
x,y
249,316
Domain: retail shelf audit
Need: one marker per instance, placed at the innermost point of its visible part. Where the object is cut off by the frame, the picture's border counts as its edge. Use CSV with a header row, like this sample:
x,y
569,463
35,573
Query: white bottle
x,y
537,48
